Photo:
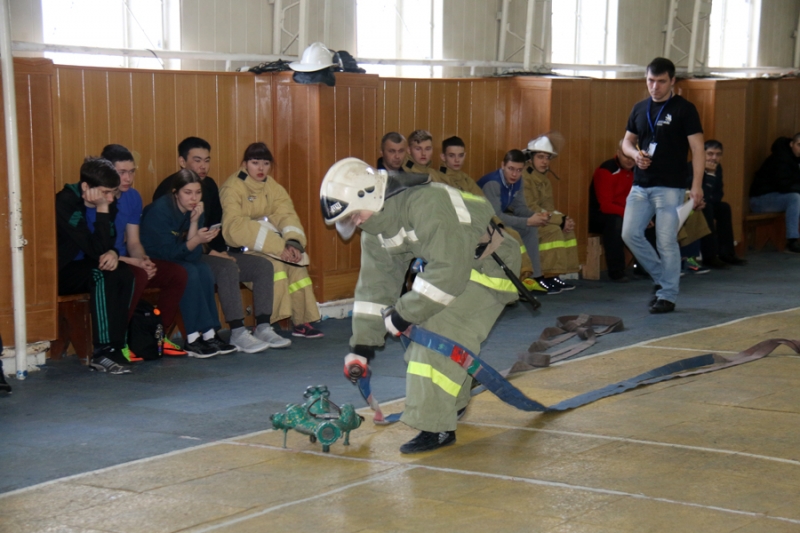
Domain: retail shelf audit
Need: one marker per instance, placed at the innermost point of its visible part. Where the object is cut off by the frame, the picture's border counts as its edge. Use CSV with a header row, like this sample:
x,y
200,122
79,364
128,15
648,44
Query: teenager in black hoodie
x,y
88,261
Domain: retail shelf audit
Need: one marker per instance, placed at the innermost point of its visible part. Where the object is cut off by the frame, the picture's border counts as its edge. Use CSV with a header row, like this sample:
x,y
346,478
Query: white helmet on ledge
x,y
351,185
541,144
315,57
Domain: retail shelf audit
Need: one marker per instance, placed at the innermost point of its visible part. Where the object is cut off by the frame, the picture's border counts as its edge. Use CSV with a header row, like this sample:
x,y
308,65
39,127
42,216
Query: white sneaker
x,y
246,342
264,332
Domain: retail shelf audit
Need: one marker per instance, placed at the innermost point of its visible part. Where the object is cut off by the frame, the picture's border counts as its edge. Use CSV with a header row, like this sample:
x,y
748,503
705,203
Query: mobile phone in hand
x,y
215,227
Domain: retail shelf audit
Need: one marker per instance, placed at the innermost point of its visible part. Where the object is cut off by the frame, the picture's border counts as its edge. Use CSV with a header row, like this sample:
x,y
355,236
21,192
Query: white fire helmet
x,y
349,186
315,57
542,144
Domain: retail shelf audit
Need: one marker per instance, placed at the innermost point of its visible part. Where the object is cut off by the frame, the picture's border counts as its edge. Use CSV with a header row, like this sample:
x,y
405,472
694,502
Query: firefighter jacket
x,y
259,215
558,250
460,180
463,182
440,226
409,165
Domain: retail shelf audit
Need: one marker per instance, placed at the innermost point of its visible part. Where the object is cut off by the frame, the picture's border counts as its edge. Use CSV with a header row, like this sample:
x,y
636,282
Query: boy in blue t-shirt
x,y
167,276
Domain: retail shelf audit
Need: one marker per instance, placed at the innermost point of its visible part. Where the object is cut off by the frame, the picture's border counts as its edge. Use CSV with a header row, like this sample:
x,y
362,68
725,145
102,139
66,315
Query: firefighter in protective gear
x,y
258,215
463,182
457,295
558,247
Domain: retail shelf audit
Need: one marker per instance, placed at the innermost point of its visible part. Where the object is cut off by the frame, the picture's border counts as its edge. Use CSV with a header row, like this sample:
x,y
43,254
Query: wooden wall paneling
x,y
97,110
144,141
167,107
228,160
570,105
121,117
206,109
389,108
482,100
70,125
406,111
463,118
247,116
730,129
33,86
449,102
788,98
264,118
422,105
187,115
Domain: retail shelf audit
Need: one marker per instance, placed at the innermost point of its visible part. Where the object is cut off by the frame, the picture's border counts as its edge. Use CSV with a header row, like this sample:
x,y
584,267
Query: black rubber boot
x,y
4,386
427,441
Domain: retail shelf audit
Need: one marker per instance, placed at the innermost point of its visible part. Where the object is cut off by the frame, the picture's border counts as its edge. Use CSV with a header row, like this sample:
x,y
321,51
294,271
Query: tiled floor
x,y
718,452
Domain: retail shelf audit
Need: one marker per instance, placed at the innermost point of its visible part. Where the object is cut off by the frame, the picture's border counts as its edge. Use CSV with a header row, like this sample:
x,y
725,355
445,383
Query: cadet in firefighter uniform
x,y
258,214
455,295
558,247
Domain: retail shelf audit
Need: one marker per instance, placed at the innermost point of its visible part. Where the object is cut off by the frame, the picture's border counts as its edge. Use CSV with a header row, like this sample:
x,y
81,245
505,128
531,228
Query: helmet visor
x,y
346,225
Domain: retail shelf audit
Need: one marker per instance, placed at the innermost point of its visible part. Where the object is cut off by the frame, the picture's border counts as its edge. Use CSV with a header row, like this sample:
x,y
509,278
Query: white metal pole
x,y
673,9
302,30
526,60
14,193
797,45
696,33
547,33
277,24
501,47
326,24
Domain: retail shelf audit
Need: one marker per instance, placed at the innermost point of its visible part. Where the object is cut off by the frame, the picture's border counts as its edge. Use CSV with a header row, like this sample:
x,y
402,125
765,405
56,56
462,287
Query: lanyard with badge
x,y
651,149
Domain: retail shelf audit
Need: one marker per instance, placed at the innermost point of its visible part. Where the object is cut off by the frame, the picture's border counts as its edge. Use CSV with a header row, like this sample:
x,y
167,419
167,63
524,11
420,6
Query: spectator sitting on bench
x,y
558,247
717,247
454,151
88,262
394,149
172,230
776,187
608,192
259,216
169,277
229,265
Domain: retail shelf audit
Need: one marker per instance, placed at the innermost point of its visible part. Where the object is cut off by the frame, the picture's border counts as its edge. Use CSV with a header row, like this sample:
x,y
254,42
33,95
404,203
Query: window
x,y
137,24
584,32
400,29
733,33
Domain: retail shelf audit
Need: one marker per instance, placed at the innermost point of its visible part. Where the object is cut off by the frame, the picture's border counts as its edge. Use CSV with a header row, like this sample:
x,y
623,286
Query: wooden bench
x,y
761,228
75,322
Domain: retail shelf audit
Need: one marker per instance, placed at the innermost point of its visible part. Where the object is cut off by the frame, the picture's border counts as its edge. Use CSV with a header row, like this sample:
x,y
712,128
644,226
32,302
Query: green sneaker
x,y
130,356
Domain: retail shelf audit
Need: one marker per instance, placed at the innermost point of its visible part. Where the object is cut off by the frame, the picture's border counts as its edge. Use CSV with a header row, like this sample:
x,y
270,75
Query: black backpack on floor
x,y
145,332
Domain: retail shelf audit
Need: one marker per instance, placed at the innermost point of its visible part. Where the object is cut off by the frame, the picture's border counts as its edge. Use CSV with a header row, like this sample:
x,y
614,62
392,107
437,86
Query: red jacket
x,y
611,184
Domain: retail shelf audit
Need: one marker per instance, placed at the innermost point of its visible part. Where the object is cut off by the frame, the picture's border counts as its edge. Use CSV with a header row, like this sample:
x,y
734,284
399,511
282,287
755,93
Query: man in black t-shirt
x,y
660,132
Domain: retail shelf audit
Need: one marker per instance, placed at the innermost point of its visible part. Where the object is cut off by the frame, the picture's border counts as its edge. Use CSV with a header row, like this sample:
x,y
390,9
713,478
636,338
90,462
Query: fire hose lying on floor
x,y
568,327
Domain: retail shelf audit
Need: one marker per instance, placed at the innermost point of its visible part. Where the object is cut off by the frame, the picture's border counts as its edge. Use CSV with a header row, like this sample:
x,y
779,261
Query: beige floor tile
x,y
645,516
741,335
60,497
176,468
147,513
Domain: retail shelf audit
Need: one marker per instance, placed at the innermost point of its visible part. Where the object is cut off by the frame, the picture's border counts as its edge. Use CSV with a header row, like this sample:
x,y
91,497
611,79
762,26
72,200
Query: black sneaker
x,y
4,386
427,441
548,285
200,349
654,299
792,246
460,413
662,306
563,284
221,346
103,360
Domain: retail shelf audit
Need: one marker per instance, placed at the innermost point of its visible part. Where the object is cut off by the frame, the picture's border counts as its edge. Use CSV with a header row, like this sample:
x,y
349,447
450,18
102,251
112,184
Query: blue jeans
x,y
642,204
776,202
